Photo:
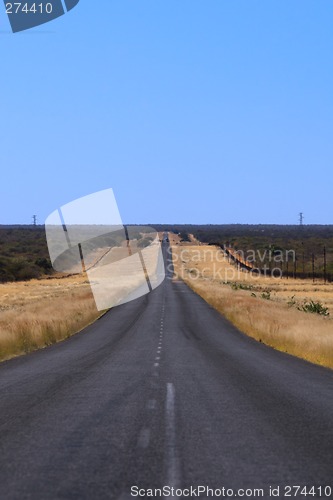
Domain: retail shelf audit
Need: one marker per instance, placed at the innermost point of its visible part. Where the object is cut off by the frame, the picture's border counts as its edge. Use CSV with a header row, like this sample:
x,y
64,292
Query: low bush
x,y
314,307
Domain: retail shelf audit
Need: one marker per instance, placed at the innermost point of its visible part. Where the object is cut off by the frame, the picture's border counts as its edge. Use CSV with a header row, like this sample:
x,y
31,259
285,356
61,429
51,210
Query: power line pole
x,y
301,218
34,220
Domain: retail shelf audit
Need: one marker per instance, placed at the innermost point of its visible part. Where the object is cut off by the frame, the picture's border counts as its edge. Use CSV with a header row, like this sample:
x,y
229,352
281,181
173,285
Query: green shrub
x,y
266,295
240,286
315,308
184,236
43,263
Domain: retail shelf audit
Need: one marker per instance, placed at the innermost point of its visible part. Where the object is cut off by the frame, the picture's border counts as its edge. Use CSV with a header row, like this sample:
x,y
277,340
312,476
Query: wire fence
x,y
298,267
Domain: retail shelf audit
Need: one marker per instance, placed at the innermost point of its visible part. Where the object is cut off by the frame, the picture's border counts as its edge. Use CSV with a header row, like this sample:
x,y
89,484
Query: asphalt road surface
x,y
162,391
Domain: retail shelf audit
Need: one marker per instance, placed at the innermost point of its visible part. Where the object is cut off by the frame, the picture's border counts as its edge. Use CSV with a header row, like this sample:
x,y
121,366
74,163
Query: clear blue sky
x,y
193,111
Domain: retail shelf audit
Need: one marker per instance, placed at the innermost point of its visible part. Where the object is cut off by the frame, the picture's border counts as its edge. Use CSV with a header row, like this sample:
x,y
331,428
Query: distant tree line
x,y
23,253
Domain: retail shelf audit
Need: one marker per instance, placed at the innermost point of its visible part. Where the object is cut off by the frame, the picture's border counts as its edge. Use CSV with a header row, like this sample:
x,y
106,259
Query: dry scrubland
x,y
265,308
38,313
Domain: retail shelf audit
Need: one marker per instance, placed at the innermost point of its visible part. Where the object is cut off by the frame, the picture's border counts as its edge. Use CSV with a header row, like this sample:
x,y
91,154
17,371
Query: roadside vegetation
x,y
39,313
39,307
291,315
23,253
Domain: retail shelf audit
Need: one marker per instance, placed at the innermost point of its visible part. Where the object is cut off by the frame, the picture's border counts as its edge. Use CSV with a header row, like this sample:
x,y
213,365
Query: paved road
x,y
161,391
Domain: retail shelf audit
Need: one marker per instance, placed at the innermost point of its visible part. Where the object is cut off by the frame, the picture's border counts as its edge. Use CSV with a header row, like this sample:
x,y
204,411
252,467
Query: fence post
x,y
325,276
303,260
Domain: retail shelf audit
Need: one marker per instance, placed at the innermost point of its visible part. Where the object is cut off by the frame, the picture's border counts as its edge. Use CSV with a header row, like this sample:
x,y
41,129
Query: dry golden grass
x,y
274,322
38,313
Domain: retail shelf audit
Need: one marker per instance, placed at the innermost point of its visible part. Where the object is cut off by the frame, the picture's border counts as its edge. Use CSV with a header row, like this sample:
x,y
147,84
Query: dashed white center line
x,y
172,461
144,438
152,404
125,496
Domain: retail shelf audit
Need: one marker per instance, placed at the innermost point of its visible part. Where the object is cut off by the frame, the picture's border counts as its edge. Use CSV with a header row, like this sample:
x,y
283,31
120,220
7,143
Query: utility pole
x,y
34,220
301,218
